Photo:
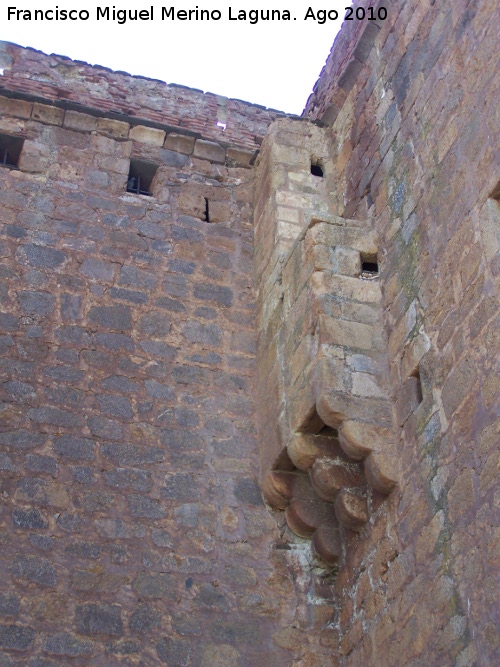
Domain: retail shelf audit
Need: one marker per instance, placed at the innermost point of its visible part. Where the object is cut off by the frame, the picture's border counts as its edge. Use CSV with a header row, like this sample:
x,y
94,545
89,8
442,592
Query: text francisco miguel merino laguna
x,y
121,16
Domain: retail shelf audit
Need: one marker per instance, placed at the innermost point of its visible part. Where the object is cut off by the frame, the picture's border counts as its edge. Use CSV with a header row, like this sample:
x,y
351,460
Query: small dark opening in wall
x,y
369,266
207,213
10,151
328,432
316,169
416,374
496,192
140,177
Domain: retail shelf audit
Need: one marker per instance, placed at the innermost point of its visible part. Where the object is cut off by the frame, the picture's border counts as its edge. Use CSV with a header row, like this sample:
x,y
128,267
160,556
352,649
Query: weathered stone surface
x,y
147,135
29,519
64,643
143,506
16,637
75,449
209,150
215,293
36,303
111,317
9,604
179,143
99,619
42,256
144,620
30,569
155,586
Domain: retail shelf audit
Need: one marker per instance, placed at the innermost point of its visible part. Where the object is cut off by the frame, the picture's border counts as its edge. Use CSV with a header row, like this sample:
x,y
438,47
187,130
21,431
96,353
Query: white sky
x,y
273,63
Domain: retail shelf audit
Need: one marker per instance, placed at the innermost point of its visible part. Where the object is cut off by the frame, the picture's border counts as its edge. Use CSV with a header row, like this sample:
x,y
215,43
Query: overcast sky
x,y
273,63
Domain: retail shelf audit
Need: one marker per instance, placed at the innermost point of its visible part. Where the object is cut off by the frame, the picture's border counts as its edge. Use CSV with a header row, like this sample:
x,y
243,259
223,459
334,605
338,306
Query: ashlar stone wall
x,y
415,125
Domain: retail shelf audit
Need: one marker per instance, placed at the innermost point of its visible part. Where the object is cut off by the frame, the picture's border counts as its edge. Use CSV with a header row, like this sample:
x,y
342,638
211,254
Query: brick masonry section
x,y
102,90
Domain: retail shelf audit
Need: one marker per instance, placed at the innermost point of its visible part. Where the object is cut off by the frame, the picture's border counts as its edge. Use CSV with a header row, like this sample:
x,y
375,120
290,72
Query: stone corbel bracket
x,y
336,421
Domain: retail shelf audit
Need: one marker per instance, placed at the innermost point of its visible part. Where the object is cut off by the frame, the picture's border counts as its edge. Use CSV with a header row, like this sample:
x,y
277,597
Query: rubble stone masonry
x,y
304,307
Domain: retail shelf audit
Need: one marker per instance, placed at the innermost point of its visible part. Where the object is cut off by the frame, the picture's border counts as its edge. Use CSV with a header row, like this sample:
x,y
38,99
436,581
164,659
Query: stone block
x,y
348,261
247,491
350,288
219,211
382,468
194,204
131,296
359,439
16,108
30,519
112,317
187,515
31,569
22,440
113,164
145,507
240,157
158,349
99,619
209,150
16,637
97,269
114,341
64,643
43,464
36,303
174,651
6,463
216,293
352,335
196,332
115,406
80,122
144,620
46,114
180,143
129,478
139,278
34,158
54,416
72,448
364,384
147,135
459,384
115,129
155,585
408,399
9,604
173,158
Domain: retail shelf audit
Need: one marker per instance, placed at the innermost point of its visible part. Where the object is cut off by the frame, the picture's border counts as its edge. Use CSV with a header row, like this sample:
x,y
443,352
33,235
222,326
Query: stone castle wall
x,y
150,383
415,134
133,528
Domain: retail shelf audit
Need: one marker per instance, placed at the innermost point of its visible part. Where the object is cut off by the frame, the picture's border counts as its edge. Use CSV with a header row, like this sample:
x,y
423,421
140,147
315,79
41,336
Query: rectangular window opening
x,y
207,212
10,151
316,168
369,266
140,177
416,374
